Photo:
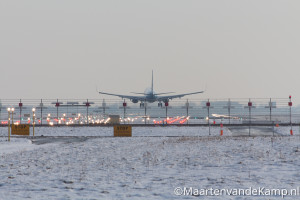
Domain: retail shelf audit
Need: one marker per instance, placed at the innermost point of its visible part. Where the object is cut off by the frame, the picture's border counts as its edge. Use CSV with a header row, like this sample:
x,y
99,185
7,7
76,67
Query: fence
x,y
182,111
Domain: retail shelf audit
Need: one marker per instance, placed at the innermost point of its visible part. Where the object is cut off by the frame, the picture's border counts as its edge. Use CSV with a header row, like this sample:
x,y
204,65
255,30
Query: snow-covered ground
x,y
159,131
146,167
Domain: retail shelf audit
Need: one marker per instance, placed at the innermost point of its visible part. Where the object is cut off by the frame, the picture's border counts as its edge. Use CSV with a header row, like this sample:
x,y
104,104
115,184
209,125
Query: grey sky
x,y
63,49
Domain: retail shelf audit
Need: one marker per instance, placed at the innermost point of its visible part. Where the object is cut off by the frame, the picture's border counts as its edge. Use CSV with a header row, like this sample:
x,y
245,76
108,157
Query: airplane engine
x,y
134,100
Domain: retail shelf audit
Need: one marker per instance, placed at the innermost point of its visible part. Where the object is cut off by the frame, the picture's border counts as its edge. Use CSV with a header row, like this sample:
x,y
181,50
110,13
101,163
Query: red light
x,y
173,121
166,104
208,104
290,96
183,121
57,104
124,104
249,103
20,104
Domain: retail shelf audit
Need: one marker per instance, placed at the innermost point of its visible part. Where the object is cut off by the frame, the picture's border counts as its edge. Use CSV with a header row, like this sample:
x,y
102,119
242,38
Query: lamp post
x,y
12,115
20,107
124,107
48,118
208,105
33,120
8,110
290,105
250,107
64,118
87,104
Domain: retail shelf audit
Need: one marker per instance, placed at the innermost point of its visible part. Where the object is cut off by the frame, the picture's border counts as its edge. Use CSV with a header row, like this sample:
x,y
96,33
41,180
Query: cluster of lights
x,y
128,120
171,120
107,120
51,121
77,120
11,109
95,120
184,120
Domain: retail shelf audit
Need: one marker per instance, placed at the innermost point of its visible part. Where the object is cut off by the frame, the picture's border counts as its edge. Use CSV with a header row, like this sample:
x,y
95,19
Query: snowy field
x,y
88,164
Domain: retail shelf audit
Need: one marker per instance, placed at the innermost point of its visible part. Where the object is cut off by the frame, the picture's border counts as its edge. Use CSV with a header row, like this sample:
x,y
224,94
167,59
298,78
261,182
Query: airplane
x,y
150,96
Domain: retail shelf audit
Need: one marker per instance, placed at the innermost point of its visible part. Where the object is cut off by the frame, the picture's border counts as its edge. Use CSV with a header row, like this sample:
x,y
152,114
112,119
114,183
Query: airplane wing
x,y
139,98
167,98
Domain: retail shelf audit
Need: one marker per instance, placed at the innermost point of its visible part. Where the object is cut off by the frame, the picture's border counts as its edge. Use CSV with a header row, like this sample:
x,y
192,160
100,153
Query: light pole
x,y
8,110
87,104
290,105
20,107
33,120
12,115
250,106
207,106
166,105
57,104
41,106
48,118
187,104
187,107
145,106
124,107
229,107
64,118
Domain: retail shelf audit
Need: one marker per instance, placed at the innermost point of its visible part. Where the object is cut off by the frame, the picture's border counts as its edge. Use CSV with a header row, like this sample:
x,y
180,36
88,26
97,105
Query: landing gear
x,y
142,105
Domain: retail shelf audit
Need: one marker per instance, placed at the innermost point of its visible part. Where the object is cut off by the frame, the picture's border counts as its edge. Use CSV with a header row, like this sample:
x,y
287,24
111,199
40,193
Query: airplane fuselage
x,y
151,98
